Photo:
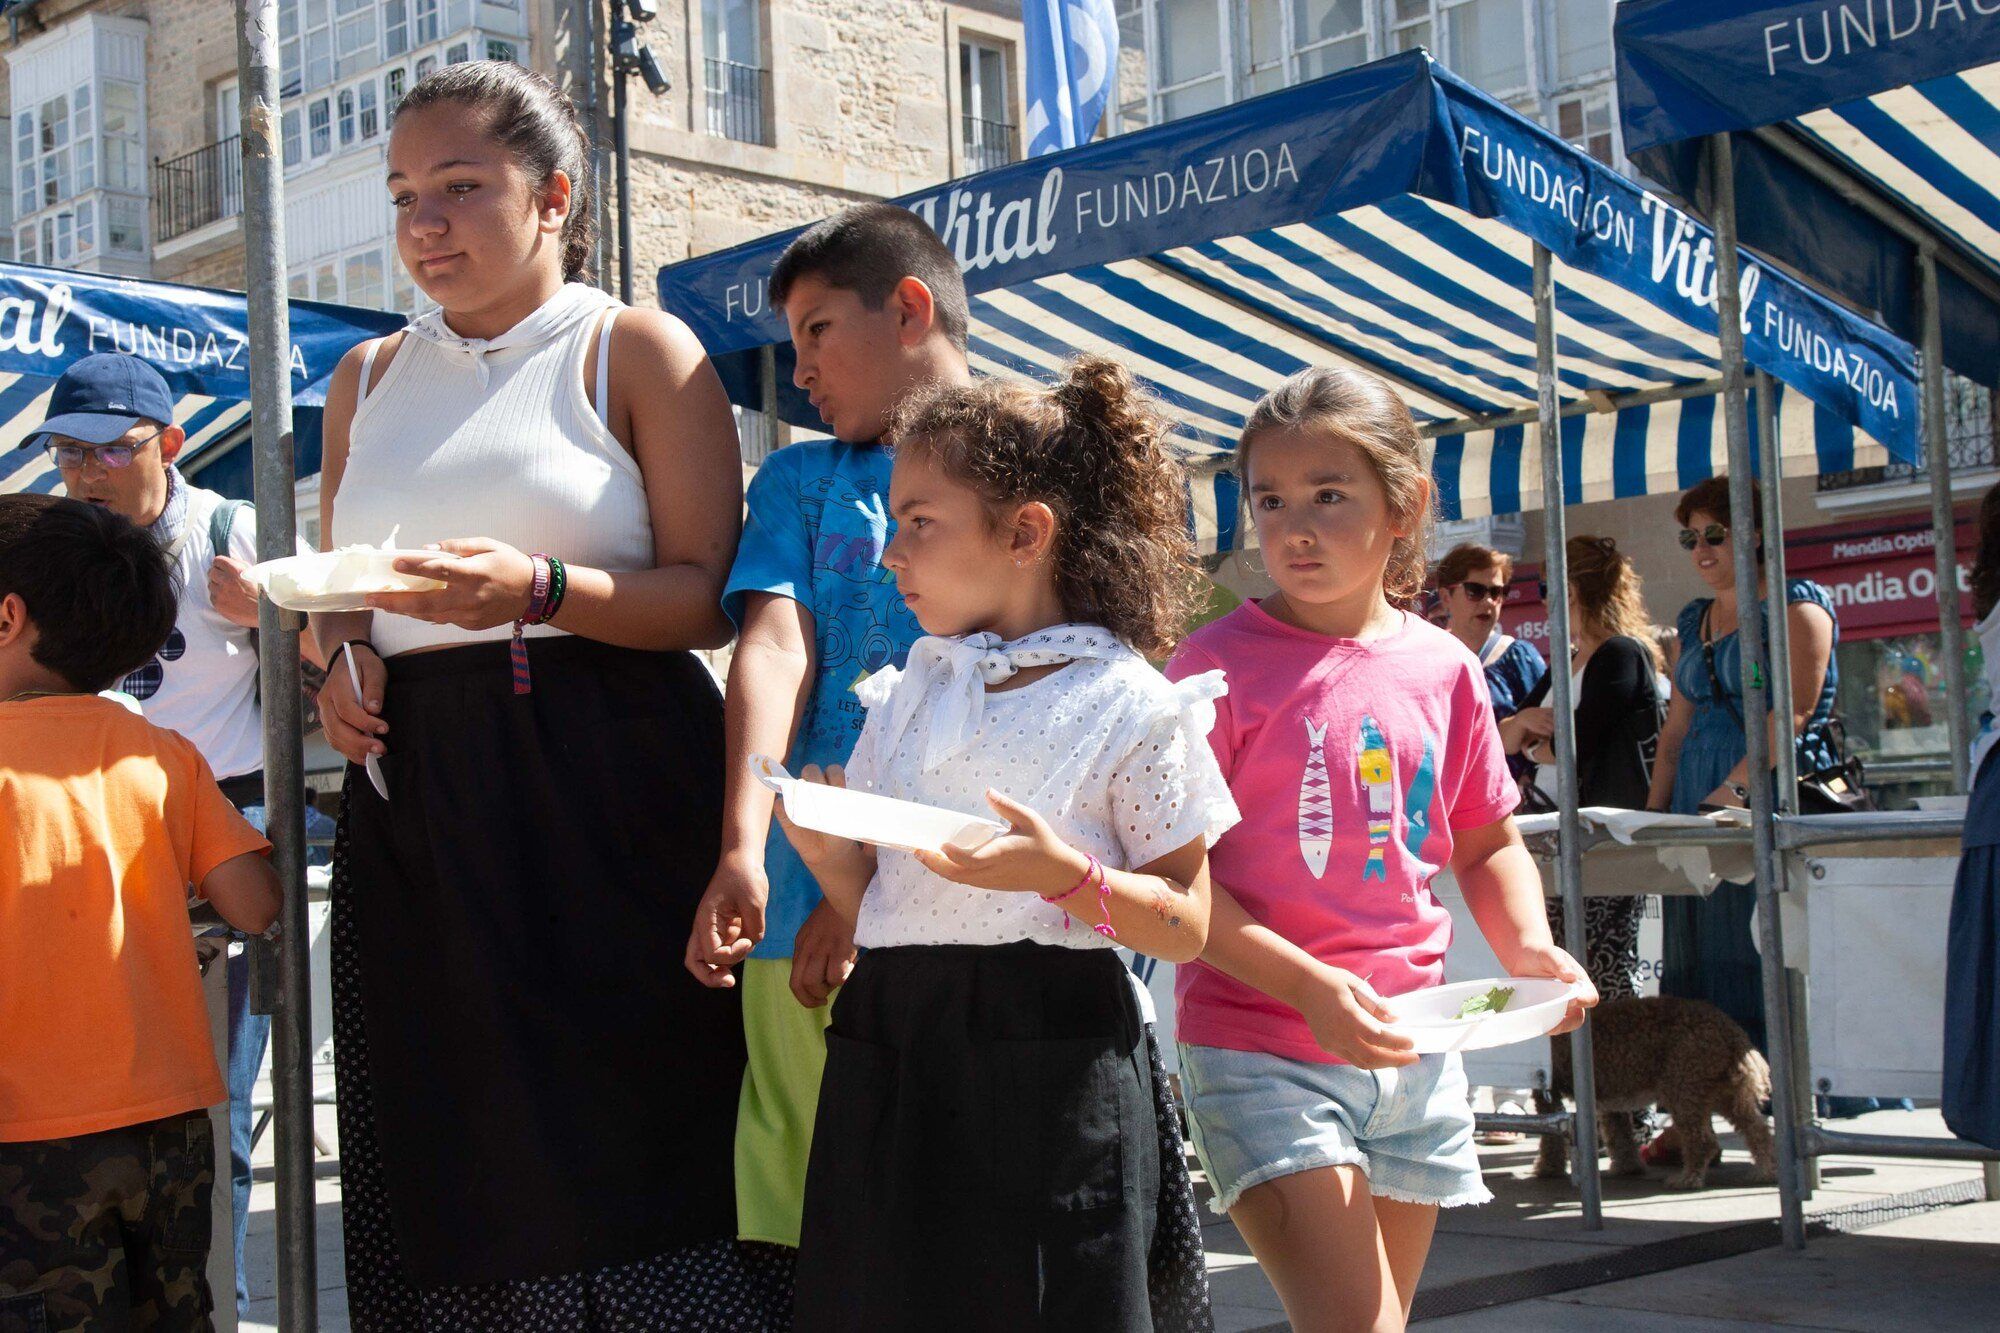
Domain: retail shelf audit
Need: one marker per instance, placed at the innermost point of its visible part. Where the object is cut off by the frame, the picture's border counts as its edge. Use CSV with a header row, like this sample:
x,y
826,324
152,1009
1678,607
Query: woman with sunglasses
x,y
1709,942
1472,586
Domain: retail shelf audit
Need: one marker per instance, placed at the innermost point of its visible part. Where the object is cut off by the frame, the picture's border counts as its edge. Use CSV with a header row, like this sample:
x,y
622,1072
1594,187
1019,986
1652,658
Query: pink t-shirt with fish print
x,y
1353,763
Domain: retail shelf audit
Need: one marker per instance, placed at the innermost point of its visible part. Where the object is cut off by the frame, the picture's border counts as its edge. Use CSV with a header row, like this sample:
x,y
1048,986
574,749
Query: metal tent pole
x,y
1944,529
278,637
1569,830
1756,701
1785,762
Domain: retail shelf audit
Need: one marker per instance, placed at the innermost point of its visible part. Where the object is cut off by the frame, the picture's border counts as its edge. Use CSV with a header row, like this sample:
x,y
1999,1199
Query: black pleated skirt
x,y
989,1152
548,1093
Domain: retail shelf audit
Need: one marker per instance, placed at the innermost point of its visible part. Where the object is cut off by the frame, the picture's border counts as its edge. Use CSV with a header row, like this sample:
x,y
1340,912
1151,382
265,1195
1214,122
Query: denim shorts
x,y
1257,1117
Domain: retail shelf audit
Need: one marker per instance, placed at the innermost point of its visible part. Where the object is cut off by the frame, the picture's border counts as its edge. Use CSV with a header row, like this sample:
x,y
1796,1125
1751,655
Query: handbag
x,y
1836,788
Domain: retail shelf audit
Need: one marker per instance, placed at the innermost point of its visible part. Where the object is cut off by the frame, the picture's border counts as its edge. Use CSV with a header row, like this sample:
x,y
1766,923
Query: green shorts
x,y
774,1117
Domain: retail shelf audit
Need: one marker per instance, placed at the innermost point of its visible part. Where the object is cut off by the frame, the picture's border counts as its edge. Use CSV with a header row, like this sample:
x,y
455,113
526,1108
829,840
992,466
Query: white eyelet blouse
x,y
1111,753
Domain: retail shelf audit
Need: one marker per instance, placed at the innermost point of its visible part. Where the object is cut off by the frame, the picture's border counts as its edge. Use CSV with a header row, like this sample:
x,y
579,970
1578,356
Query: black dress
x,y
537,1104
1617,736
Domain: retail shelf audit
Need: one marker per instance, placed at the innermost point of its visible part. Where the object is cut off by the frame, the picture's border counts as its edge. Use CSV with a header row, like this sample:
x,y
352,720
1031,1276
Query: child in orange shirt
x,y
106,1064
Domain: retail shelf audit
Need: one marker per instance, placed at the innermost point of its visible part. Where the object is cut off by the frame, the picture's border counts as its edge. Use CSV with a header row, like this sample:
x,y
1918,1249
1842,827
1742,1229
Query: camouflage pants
x,y
107,1232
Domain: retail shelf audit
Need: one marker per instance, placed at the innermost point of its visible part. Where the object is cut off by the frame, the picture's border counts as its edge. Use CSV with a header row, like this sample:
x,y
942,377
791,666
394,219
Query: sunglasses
x,y
109,455
1712,535
1480,592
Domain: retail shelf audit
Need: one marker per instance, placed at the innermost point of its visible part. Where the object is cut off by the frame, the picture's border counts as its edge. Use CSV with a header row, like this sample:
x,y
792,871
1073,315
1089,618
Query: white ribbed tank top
x,y
472,438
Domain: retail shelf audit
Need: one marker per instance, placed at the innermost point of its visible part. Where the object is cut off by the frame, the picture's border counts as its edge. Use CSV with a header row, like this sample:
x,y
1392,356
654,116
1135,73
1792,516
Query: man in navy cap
x,y
111,433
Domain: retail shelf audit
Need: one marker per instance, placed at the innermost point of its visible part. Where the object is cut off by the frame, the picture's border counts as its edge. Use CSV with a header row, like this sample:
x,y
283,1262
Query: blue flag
x,y
1072,68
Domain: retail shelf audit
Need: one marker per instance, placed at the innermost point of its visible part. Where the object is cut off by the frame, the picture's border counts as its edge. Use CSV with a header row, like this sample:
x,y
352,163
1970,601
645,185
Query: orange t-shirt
x,y
105,820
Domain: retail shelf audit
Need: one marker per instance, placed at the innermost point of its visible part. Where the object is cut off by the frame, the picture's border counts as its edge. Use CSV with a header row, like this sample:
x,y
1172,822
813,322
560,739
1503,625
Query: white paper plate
x,y
1429,1017
866,817
338,580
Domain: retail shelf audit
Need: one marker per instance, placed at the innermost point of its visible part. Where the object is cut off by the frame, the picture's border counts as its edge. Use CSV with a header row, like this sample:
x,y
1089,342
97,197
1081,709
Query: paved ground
x,y
1937,1270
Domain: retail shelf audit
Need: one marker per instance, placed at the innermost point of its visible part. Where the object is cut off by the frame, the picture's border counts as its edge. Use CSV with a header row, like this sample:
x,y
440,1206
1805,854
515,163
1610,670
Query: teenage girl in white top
x,y
512,1041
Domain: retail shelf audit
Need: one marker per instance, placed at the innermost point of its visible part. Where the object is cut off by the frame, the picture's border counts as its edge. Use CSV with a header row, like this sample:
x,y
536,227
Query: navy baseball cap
x,y
101,397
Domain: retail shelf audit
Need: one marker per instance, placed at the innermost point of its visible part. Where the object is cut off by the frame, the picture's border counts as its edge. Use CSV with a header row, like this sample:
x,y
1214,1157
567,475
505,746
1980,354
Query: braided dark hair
x,y
536,122
1095,450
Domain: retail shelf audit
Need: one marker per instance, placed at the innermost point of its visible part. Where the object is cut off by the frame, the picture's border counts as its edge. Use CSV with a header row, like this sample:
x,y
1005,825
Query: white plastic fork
x,y
374,769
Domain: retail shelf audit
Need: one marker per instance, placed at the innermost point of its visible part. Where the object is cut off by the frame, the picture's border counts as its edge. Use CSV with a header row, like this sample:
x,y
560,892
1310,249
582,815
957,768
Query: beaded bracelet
x,y
558,586
1095,871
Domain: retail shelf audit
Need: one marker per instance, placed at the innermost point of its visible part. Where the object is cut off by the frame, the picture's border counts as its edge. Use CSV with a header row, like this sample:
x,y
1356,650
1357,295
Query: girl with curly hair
x,y
987,1153
1359,743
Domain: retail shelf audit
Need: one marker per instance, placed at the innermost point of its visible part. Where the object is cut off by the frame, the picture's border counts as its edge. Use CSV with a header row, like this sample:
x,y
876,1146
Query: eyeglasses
x,y
1480,592
109,455
1712,535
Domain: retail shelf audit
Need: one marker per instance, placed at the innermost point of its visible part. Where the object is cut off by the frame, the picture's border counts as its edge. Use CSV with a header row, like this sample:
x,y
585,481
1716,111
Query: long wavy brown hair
x,y
1094,449
1610,594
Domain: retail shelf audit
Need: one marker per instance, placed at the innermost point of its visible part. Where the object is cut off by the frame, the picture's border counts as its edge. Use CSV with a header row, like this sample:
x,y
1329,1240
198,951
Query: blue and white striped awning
x,y
1901,100
196,338
1385,216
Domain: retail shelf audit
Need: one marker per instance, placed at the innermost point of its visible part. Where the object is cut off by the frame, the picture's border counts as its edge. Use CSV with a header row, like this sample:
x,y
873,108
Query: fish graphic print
x,y
1417,803
1378,779
1315,803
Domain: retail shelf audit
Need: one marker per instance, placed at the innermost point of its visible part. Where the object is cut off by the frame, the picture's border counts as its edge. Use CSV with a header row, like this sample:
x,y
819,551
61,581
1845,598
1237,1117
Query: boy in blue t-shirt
x,y
877,308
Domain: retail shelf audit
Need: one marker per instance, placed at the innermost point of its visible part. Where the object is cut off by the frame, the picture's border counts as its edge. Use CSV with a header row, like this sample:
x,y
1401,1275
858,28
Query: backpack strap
x,y
223,522
1496,649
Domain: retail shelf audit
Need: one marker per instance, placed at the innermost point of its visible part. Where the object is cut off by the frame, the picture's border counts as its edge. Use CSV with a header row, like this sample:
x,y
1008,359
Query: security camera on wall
x,y
651,71
642,11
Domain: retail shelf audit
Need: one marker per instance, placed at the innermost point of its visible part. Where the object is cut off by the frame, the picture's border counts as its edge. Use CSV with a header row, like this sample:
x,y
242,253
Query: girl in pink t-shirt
x,y
1359,743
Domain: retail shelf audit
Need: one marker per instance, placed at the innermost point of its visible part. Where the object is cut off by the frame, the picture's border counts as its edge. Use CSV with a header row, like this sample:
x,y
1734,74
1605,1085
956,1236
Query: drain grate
x,y
1701,1247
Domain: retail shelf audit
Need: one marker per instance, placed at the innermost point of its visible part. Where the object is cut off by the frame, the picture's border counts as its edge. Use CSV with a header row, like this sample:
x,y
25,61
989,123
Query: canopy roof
x,y
1384,215
198,339
1846,103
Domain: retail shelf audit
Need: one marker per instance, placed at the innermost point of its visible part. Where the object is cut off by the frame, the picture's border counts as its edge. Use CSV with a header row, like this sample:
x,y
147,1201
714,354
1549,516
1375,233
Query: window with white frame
x,y
1579,35
370,276
64,149
1585,119
1329,35
1134,113
1532,54
323,44
987,134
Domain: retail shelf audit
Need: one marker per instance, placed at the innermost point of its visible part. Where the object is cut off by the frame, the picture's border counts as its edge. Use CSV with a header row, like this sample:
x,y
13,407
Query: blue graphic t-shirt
x,y
818,522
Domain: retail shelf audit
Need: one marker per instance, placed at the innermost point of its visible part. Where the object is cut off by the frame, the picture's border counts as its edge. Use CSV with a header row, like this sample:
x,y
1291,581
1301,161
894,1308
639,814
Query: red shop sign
x,y
1882,572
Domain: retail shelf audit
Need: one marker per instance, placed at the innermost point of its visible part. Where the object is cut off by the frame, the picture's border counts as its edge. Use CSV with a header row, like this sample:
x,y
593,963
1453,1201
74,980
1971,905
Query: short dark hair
x,y
1711,497
867,250
1462,559
99,589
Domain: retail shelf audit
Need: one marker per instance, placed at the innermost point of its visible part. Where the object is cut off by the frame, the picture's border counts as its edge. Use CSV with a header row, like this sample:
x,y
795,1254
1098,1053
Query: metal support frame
x,y
1944,528
1569,829
1784,737
621,35
1721,163
278,639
